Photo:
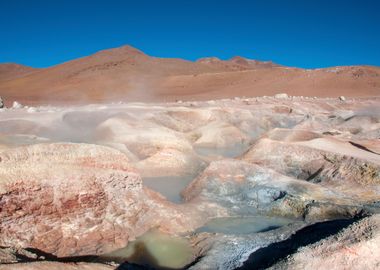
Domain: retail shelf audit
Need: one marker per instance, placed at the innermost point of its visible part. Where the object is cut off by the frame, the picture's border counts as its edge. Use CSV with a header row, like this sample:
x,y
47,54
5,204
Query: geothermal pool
x,y
244,225
155,249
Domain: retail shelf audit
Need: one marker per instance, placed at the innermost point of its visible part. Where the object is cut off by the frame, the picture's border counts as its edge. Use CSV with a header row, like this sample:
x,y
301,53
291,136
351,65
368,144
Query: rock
x,y
16,105
361,170
248,189
51,265
342,98
268,161
31,110
77,199
142,138
13,255
219,135
170,162
352,248
281,96
212,249
322,245
266,195
1,103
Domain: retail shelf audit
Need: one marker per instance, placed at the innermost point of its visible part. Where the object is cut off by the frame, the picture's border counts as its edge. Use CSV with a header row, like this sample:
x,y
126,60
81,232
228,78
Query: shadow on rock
x,y
266,257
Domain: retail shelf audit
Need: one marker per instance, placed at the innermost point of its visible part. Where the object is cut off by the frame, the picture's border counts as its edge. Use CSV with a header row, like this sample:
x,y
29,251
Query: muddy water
x,y
169,186
155,249
244,225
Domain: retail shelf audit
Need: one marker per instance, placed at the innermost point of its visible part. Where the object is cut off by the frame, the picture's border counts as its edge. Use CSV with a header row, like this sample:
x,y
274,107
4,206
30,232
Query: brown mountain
x,y
11,71
126,73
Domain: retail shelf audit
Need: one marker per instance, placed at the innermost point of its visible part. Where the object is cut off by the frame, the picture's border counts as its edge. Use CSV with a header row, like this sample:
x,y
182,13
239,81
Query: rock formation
x,y
77,199
78,182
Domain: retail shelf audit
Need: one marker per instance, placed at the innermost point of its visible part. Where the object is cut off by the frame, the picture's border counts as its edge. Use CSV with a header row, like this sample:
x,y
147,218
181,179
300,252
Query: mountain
x,y
128,74
11,71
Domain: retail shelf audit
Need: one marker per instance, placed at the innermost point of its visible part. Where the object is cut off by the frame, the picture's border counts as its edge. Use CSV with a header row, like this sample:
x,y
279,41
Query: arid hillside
x,y
128,74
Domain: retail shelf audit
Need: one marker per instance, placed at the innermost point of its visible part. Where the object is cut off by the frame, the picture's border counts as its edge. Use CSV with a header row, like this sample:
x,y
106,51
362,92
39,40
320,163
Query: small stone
x,y
16,105
342,98
281,96
31,110
1,103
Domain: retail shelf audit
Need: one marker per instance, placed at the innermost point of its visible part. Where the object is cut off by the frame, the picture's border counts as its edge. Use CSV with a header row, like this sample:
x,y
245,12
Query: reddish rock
x,y
51,200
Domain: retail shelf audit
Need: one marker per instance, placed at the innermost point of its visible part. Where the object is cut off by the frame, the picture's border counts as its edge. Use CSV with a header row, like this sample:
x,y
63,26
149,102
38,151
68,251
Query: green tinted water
x,y
155,249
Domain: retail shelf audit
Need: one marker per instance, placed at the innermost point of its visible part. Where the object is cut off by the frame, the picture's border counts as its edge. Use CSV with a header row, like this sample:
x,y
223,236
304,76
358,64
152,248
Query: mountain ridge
x,y
126,73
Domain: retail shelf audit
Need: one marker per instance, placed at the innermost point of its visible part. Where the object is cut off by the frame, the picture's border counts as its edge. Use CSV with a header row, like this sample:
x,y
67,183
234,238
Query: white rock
x,y
16,105
281,96
31,110
342,98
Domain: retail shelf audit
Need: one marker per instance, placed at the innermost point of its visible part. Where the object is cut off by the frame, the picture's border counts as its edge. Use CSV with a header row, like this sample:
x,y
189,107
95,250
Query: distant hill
x,y
128,74
11,71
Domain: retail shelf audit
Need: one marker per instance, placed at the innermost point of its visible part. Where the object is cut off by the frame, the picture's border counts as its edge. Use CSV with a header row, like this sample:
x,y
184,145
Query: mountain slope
x,y
126,73
11,71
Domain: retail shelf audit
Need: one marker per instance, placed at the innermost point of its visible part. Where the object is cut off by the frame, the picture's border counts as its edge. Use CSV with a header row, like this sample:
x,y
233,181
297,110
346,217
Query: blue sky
x,y
309,33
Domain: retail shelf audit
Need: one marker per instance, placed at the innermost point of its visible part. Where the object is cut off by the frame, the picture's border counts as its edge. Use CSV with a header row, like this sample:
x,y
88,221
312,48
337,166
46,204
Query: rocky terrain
x,y
128,74
247,183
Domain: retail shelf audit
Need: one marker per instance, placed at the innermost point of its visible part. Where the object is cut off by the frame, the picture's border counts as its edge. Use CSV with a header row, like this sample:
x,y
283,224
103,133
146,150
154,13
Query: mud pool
x,y
155,249
244,225
168,186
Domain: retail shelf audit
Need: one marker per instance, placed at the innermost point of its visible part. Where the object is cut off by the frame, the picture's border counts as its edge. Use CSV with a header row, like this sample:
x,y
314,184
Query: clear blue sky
x,y
308,33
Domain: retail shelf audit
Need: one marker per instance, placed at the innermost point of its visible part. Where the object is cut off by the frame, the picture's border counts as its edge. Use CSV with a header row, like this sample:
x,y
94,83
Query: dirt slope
x,y
10,71
126,73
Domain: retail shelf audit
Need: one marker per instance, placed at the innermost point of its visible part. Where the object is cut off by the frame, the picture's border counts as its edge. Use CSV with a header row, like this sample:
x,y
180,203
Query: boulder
x,y
77,199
